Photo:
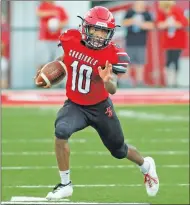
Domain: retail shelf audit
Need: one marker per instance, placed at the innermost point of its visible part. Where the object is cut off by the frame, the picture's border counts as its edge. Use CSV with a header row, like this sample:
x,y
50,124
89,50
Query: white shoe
x,y
151,180
60,191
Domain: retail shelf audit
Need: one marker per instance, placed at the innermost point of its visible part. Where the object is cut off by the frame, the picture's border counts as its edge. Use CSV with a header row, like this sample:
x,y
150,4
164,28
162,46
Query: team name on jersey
x,y
82,57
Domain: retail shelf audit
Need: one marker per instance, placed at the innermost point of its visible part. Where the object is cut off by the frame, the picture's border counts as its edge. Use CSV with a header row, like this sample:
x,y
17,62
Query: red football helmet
x,y
100,18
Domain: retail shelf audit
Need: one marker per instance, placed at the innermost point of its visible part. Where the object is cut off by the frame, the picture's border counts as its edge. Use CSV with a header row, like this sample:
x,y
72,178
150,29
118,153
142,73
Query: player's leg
x,y
140,62
108,126
168,70
70,119
176,57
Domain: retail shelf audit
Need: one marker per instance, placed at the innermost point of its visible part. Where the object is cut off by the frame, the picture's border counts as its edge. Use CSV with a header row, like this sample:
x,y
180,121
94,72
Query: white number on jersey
x,y
84,74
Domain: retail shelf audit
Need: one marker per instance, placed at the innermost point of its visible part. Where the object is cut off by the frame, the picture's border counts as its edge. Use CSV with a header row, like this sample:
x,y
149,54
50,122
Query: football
x,y
52,73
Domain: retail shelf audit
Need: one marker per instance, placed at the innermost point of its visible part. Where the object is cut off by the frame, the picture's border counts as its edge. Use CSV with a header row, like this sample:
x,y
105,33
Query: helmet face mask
x,y
97,37
98,27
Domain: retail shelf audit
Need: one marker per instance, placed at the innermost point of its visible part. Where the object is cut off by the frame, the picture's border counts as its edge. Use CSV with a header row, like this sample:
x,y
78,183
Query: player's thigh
x,y
108,127
43,53
70,119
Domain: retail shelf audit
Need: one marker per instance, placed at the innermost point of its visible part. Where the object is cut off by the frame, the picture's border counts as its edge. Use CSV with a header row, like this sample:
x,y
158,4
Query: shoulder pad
x,y
70,34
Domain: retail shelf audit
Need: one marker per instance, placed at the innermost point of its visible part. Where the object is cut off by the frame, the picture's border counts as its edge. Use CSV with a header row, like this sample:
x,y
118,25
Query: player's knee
x,y
121,152
62,131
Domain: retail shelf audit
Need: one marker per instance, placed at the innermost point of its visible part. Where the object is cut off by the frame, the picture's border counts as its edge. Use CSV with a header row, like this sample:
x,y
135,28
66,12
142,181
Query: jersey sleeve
x,y
122,62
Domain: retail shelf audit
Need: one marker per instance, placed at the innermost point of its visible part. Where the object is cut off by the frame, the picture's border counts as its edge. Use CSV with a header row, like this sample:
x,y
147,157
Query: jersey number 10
x,y
84,76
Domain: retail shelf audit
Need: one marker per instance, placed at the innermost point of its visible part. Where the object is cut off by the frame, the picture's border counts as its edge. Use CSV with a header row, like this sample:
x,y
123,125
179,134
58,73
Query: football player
x,y
92,63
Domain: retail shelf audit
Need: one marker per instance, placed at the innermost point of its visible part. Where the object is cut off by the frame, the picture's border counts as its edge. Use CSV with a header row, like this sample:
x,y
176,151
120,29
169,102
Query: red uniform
x,y
45,33
84,85
179,38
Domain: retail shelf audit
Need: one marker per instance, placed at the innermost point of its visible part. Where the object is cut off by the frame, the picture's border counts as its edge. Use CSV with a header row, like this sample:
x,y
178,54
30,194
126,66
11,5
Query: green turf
x,y
30,130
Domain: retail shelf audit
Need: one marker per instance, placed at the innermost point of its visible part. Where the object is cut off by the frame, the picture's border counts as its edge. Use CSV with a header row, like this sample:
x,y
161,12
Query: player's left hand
x,y
106,73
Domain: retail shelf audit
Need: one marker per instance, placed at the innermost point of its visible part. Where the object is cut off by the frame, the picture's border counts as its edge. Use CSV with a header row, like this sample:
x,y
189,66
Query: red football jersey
x,y
84,85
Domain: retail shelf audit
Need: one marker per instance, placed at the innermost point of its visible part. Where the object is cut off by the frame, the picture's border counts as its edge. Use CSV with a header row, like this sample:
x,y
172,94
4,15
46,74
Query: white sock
x,y
145,167
65,176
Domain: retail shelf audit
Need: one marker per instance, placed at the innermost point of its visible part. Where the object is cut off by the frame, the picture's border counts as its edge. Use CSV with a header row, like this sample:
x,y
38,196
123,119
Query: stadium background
x,y
162,130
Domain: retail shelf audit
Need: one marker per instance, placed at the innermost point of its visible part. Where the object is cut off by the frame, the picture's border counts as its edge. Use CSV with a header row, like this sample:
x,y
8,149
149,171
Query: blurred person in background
x,y
138,21
4,52
52,19
171,18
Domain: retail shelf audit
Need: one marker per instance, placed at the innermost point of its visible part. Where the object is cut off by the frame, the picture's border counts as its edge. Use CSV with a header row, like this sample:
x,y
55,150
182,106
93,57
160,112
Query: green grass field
x,y
29,165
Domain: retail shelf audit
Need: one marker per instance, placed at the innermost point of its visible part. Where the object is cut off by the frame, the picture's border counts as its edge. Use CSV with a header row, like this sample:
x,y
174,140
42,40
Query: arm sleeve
x,y
122,62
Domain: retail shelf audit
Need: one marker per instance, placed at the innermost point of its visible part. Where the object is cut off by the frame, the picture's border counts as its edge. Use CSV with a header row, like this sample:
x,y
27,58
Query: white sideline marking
x,y
89,185
24,203
155,140
27,198
169,140
150,116
173,129
93,153
40,141
91,167
54,202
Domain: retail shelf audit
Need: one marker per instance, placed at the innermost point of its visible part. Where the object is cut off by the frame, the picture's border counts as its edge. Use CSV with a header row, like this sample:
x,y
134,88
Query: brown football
x,y
52,73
